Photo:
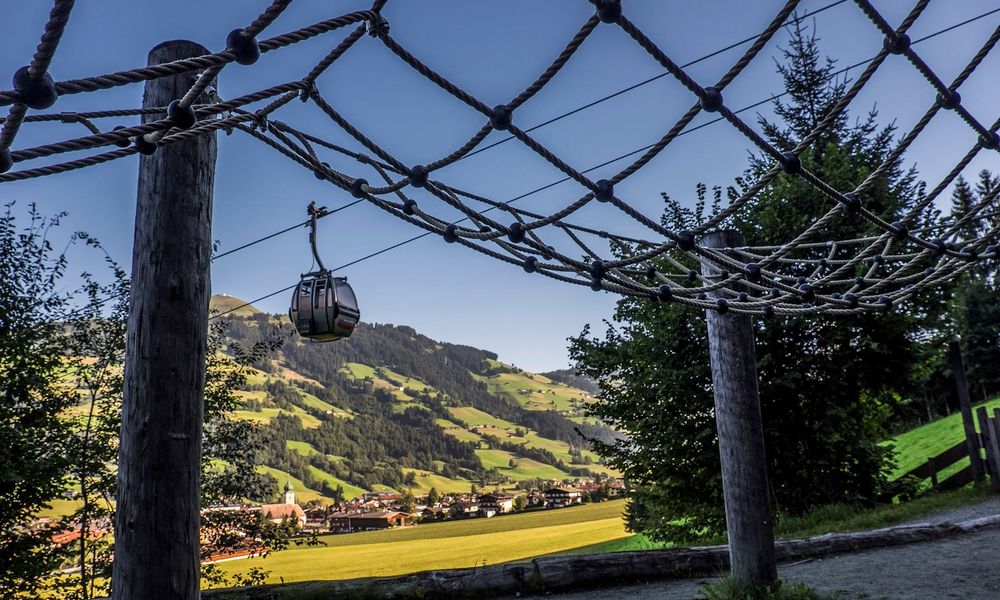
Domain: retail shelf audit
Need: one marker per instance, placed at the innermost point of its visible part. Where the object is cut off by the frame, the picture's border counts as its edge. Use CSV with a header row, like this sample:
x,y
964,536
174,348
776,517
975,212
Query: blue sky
x,y
493,50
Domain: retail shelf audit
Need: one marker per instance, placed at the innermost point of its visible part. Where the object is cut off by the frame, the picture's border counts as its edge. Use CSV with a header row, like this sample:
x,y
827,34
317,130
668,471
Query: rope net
x,y
810,273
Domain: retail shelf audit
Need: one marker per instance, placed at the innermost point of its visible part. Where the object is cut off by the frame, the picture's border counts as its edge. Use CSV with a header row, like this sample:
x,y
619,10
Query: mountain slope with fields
x,y
390,408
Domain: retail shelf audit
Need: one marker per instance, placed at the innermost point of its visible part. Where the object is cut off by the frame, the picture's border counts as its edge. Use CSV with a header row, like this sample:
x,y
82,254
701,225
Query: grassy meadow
x,y
467,543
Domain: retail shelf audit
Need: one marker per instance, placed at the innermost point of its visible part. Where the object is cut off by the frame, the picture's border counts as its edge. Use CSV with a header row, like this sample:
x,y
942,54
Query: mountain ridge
x,y
390,408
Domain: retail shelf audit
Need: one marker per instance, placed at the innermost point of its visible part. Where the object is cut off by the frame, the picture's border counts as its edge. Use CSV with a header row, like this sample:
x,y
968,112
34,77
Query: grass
x,y
525,468
467,543
729,588
350,490
302,493
59,507
304,448
914,447
221,303
473,416
427,480
537,392
833,518
265,415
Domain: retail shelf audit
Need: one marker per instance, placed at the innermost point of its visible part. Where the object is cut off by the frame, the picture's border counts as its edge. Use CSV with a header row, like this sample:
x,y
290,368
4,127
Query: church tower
x,y
289,493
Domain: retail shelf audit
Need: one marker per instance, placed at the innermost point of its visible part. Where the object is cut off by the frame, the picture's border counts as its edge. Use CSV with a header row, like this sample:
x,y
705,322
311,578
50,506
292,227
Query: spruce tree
x,y
827,385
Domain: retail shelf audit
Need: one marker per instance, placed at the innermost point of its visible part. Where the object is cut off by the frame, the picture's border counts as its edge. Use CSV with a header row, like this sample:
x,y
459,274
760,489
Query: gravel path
x,y
963,567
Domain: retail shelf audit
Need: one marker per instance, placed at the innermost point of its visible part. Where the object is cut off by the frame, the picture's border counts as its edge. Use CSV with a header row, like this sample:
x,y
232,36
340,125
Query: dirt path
x,y
963,567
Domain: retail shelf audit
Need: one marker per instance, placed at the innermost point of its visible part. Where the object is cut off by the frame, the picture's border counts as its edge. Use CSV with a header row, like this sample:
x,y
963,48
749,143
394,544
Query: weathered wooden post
x,y
989,443
159,478
749,520
962,388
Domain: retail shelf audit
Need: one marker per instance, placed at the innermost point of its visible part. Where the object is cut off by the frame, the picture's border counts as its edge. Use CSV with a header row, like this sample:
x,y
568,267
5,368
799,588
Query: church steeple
x,y
289,493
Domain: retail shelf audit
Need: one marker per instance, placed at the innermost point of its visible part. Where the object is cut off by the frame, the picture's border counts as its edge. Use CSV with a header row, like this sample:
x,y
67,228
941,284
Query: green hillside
x,y
465,543
914,447
392,409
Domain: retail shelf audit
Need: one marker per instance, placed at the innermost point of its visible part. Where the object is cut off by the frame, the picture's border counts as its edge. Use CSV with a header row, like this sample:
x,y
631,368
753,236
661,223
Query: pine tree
x,y
826,385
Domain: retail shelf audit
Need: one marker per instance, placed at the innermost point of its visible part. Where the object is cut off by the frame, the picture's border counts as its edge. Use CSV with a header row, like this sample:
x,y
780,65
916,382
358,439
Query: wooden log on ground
x,y
588,572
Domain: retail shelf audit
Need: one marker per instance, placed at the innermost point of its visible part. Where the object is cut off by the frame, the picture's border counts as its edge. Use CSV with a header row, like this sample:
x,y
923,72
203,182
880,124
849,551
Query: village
x,y
388,509
374,511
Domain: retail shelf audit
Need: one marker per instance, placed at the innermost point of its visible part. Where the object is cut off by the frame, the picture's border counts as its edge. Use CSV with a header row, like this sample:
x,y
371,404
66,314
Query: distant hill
x,y
221,303
572,378
390,408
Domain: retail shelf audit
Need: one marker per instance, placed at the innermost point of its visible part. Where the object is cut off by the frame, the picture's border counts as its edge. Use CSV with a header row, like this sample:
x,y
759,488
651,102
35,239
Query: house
x,y
378,520
492,504
432,513
468,508
562,496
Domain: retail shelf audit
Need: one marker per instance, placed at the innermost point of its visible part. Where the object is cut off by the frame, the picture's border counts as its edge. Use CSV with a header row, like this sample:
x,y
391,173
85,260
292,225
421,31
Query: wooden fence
x,y
987,439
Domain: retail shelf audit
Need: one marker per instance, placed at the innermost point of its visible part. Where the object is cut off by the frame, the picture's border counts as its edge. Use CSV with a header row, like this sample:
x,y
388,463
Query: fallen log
x,y
585,572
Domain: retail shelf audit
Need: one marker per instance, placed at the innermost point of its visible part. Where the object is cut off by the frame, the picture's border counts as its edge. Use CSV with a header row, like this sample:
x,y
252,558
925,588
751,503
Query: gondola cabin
x,y
324,307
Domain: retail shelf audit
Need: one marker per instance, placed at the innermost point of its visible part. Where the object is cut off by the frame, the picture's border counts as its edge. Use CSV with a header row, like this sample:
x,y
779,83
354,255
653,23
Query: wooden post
x,y
986,433
932,467
157,552
749,520
962,388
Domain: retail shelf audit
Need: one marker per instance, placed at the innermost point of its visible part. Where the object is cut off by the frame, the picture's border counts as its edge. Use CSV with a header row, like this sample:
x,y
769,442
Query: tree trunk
x,y
749,521
157,520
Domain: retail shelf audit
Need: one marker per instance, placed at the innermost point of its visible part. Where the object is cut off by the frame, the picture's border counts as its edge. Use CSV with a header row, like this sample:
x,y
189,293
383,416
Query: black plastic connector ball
x,y
885,302
605,190
685,240
722,306
664,293
940,247
40,94
596,285
692,275
823,264
949,101
357,188
144,146
597,269
896,43
123,142
243,46
743,296
449,234
991,141
516,233
969,253
900,231
651,272
852,202
702,296
807,292
753,271
609,11
928,271
800,280
991,251
711,101
790,163
548,252
183,117
774,292
6,160
859,281
768,312
530,264
409,207
878,259
321,174
500,119
836,295
851,300
418,176
484,229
